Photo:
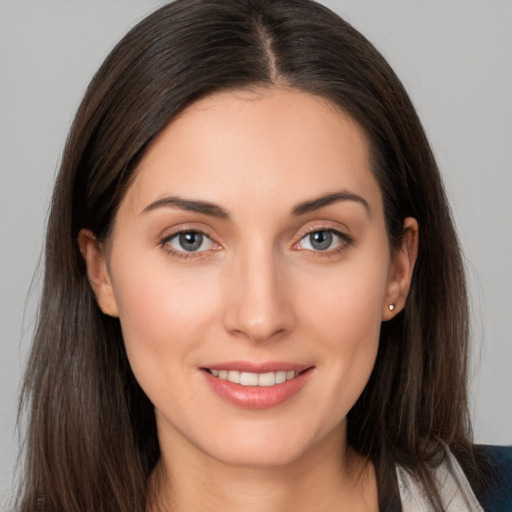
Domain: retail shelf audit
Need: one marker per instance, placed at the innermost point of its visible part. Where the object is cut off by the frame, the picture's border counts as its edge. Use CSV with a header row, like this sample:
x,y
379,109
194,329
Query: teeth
x,y
234,376
280,377
248,379
266,379
255,379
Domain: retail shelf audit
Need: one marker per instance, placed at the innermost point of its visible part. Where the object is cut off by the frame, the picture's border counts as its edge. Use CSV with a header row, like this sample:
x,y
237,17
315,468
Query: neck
x,y
328,477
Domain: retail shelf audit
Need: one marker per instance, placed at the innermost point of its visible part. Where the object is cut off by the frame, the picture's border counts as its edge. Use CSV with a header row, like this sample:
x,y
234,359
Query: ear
x,y
401,270
97,271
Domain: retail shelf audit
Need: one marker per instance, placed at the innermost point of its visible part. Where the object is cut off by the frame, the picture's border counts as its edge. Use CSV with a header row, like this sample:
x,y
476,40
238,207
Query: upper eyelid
x,y
181,231
318,229
335,227
344,236
168,233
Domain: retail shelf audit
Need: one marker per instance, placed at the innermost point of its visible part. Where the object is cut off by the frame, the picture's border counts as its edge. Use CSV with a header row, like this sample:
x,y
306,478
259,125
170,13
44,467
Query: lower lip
x,y
257,397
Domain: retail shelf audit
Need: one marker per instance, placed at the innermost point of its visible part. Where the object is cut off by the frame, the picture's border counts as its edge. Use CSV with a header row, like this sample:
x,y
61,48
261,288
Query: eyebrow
x,y
189,205
214,210
326,200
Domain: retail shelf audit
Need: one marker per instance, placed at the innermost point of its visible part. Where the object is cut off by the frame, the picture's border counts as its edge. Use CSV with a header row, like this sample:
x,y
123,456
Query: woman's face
x,y
250,269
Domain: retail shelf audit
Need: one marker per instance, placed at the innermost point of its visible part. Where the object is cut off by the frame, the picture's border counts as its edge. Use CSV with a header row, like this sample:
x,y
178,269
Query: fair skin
x,y
253,239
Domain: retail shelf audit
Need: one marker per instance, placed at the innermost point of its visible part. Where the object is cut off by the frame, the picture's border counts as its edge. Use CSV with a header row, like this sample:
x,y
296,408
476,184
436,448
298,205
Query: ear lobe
x,y
401,270
97,272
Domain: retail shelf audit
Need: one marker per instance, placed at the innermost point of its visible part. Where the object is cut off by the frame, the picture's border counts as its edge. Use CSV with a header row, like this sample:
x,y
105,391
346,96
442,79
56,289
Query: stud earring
x,y
392,306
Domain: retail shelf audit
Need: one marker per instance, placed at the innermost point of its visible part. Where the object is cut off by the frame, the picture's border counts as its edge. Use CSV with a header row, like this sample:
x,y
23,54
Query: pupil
x,y
191,241
321,240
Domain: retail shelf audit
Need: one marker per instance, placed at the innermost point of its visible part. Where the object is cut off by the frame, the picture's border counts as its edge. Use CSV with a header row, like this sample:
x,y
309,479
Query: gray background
x,y
455,59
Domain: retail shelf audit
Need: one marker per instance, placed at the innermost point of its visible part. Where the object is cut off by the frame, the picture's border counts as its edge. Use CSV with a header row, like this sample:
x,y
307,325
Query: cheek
x,y
346,316
162,313
347,302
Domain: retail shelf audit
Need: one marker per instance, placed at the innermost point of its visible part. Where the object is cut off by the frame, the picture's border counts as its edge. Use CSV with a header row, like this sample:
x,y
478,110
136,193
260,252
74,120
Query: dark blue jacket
x,y
497,496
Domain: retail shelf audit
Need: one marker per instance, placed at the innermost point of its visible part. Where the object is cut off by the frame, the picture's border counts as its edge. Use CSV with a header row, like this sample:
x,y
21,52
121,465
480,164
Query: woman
x,y
254,295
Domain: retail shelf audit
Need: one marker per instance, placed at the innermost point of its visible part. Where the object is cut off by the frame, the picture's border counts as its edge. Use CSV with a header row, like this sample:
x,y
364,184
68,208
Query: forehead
x,y
257,145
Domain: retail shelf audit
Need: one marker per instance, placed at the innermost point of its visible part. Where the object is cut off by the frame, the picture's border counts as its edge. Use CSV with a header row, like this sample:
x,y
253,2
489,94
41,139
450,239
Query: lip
x,y
257,397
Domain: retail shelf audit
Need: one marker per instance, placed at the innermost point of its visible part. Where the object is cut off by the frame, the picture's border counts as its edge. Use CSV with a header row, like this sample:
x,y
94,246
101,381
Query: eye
x,y
188,242
324,240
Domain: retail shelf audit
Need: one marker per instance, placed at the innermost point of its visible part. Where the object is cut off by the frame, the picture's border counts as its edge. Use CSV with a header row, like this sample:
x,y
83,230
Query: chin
x,y
259,457
272,446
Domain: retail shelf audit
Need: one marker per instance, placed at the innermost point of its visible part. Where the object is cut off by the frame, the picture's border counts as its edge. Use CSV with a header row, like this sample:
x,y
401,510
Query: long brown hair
x,y
91,436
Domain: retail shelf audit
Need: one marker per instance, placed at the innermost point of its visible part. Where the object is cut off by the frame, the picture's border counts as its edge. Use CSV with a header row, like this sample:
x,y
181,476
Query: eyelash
x,y
345,242
183,254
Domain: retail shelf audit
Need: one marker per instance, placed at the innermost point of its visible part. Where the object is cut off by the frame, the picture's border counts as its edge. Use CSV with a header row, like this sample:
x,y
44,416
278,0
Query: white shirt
x,y
454,489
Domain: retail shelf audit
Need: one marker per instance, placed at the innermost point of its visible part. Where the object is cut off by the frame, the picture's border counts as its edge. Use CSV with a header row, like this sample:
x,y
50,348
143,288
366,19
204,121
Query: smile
x,y
254,379
257,385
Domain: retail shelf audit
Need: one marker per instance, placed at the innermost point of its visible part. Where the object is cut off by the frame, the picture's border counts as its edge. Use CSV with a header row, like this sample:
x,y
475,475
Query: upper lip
x,y
264,367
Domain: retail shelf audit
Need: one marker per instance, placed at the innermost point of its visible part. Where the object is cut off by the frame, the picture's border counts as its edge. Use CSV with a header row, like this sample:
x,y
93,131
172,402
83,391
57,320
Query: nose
x,y
259,306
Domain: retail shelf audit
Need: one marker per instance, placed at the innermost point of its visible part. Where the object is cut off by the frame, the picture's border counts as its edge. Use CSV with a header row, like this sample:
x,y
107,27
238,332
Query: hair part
x,y
91,439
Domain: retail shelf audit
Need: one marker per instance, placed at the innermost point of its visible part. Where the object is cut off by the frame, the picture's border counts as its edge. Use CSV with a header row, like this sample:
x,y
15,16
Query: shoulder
x,y
496,496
